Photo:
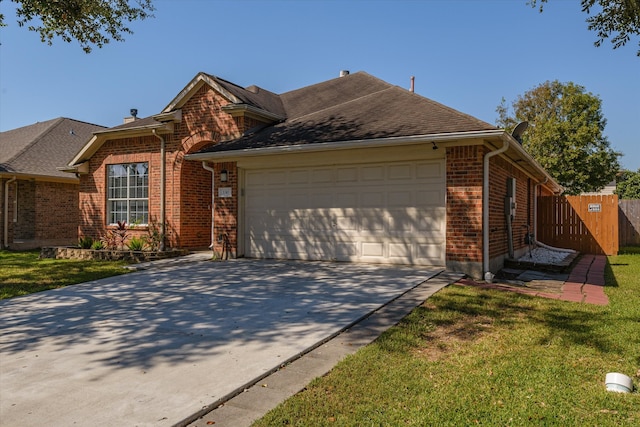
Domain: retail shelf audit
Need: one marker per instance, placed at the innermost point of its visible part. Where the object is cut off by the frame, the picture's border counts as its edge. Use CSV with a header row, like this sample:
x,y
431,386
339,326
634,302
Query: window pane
x,y
128,193
138,212
117,211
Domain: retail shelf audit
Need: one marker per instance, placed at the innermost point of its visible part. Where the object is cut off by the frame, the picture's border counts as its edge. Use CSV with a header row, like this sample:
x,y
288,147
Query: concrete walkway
x,y
585,283
161,346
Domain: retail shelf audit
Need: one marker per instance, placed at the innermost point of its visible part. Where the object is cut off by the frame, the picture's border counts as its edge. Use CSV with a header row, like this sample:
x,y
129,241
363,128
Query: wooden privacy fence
x,y
629,222
588,224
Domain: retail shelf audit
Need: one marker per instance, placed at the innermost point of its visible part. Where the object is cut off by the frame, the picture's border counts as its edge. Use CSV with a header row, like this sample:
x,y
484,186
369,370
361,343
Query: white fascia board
x,y
99,138
346,145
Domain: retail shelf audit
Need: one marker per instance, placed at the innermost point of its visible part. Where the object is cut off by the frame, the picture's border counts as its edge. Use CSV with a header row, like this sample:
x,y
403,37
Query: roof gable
x,y
40,148
253,95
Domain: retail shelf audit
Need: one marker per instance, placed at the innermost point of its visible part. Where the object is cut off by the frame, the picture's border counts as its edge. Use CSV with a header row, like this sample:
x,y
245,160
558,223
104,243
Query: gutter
x,y
6,211
213,199
163,168
488,276
346,145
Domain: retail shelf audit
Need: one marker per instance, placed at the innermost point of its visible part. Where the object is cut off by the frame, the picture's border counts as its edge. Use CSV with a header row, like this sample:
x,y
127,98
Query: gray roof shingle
x,y
40,148
355,107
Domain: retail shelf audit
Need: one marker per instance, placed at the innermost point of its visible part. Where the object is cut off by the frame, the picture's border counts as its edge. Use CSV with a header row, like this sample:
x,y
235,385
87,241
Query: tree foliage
x,y
618,19
628,185
90,22
564,134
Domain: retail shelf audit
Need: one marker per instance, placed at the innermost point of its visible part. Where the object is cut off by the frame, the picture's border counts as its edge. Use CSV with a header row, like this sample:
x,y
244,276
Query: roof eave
x,y
100,137
346,145
534,167
251,111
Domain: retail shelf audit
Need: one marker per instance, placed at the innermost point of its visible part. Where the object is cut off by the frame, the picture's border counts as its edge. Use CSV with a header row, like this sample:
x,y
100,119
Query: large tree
x,y
628,185
90,22
564,134
615,19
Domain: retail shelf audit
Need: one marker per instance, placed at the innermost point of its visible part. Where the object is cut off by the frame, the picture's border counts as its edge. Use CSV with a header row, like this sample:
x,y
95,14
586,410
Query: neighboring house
x,y
607,190
350,169
39,203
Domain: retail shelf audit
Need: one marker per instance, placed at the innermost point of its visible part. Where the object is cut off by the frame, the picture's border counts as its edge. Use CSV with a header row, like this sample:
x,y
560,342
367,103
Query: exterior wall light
x,y
224,175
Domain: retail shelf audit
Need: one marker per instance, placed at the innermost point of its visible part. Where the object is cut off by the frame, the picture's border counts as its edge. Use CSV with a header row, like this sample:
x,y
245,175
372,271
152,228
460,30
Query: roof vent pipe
x,y
413,83
344,73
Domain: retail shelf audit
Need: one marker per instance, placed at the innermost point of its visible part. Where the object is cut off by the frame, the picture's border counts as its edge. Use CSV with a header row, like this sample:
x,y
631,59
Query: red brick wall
x,y
226,208
464,203
188,184
499,171
93,196
24,228
56,211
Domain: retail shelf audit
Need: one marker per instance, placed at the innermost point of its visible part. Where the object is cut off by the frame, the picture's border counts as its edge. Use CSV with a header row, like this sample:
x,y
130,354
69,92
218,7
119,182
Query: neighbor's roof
x,y
37,150
351,108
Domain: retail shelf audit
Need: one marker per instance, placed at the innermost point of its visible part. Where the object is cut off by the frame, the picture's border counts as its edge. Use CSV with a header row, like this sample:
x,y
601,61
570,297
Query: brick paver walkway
x,y
584,284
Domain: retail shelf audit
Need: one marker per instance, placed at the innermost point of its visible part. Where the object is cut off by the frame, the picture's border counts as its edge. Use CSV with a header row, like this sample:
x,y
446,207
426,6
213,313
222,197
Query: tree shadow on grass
x,y
466,315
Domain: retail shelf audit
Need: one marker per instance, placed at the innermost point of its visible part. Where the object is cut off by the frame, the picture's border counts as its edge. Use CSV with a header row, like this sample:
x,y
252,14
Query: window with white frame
x,y
128,193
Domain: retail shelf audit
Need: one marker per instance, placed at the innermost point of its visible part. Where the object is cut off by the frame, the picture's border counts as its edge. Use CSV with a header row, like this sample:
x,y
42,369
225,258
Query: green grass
x,y
477,357
22,273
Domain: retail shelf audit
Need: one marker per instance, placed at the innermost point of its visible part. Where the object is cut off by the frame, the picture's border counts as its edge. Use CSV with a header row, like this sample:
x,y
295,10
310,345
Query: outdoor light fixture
x,y
224,175
435,147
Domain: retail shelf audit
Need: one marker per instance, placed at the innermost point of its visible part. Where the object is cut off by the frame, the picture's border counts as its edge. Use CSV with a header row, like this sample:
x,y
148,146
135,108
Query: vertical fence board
x,y
588,224
629,222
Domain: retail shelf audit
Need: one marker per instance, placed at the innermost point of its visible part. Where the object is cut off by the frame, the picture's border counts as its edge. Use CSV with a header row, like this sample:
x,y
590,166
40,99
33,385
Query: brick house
x,y
350,169
38,202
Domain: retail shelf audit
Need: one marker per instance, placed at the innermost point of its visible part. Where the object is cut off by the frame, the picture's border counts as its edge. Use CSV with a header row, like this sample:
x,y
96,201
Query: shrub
x,y
110,240
154,236
136,244
85,242
97,245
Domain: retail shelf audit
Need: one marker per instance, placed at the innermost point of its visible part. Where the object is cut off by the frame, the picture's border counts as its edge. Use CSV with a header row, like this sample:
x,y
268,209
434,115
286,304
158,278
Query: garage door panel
x,y
401,171
372,249
430,198
347,175
373,173
431,171
322,176
388,213
372,199
400,198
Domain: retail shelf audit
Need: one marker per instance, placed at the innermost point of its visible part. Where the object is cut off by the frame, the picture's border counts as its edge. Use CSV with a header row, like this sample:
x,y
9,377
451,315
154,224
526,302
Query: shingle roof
x,y
253,95
40,148
355,107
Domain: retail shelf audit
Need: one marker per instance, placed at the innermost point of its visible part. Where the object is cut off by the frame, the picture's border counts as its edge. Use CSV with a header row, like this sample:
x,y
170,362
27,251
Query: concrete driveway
x,y
153,347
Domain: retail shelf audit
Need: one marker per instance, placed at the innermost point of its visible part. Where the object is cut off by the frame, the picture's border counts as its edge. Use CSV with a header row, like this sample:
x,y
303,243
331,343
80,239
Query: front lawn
x,y
22,273
477,357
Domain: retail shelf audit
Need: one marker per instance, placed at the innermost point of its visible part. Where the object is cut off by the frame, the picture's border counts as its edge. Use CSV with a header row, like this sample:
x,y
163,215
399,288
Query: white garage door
x,y
383,213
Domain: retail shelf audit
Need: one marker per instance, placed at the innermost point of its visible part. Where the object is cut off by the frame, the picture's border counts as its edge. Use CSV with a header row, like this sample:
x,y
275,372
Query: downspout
x,y
163,173
6,211
488,276
213,199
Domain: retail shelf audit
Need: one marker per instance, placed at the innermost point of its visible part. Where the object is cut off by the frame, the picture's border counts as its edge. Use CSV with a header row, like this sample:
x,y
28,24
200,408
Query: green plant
x,y
85,242
110,240
136,244
154,237
97,245
121,233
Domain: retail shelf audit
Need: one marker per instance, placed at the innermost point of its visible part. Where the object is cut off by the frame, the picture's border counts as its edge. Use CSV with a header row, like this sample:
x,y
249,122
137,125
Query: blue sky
x,y
464,54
